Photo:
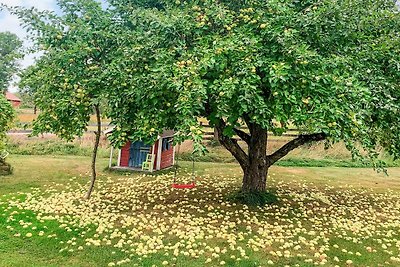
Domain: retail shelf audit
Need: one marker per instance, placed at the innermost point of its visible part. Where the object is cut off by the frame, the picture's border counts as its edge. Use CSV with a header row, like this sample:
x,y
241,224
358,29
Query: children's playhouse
x,y
140,156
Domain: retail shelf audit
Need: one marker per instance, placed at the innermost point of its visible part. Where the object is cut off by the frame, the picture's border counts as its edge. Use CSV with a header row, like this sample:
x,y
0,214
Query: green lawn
x,y
324,216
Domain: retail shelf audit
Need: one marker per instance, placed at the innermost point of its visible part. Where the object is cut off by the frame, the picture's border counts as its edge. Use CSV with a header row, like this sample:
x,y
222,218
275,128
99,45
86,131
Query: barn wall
x,y
15,104
124,161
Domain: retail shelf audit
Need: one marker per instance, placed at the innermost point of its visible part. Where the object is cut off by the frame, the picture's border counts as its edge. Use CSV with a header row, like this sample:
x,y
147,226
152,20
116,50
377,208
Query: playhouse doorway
x,y
138,153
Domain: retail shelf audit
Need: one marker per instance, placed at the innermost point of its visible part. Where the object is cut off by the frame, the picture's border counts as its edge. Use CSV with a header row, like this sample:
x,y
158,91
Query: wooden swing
x,y
184,186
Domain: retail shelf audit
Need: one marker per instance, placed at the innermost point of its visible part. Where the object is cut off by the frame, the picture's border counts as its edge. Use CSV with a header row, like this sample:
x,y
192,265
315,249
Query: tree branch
x,y
243,135
299,141
246,119
231,145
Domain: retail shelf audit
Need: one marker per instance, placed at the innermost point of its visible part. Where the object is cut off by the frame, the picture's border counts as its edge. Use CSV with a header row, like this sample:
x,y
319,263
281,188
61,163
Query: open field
x,y
313,155
26,117
329,216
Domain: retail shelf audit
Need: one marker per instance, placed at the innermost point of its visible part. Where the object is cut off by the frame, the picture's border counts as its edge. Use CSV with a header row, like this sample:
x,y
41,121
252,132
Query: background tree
x,y
6,117
329,68
9,54
70,80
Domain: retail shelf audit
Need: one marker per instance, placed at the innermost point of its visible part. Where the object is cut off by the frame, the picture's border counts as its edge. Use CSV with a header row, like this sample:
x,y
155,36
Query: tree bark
x,y
215,134
255,174
254,164
95,149
231,145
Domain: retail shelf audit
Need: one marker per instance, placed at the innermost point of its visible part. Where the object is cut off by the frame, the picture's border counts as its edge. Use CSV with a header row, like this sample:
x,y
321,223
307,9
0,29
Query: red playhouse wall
x,y
167,158
124,161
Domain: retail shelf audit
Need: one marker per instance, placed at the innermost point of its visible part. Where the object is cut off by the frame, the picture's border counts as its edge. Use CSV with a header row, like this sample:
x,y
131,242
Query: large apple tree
x,y
329,68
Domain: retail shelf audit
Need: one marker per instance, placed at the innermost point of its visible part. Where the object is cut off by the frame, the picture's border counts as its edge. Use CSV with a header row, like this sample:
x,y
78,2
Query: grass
x,y
31,174
331,208
294,161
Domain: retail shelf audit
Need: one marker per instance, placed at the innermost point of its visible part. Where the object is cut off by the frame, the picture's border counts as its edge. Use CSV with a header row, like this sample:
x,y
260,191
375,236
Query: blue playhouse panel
x,y
137,154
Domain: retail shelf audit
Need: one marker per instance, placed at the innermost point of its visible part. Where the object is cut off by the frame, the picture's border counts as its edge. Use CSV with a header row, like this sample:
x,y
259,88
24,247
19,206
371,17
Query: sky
x,y
10,23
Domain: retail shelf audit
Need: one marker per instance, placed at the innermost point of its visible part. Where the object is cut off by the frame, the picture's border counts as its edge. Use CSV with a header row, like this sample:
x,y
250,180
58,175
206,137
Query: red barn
x,y
15,101
140,156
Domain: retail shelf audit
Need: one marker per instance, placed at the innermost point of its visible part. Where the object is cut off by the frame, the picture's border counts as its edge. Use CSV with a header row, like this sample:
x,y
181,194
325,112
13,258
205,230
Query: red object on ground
x,y
184,186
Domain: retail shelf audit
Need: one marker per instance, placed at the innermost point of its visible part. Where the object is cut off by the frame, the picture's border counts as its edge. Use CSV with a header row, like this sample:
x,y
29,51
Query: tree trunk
x,y
95,149
216,134
256,162
255,174
255,179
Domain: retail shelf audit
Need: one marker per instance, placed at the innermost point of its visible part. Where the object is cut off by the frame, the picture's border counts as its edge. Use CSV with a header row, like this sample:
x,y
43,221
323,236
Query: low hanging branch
x,y
299,141
231,145
243,135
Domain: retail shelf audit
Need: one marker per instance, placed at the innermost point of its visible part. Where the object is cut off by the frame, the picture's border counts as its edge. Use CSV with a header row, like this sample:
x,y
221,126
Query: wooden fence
x,y
209,132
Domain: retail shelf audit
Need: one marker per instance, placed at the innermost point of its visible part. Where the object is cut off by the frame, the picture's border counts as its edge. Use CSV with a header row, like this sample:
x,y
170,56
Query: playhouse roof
x,y
166,133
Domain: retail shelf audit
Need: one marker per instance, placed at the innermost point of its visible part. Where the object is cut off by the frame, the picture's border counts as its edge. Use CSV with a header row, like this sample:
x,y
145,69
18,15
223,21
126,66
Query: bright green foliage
x,y
70,78
328,67
9,54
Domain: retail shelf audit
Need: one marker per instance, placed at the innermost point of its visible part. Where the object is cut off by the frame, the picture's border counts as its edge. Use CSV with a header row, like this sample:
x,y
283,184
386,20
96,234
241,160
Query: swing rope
x,y
184,186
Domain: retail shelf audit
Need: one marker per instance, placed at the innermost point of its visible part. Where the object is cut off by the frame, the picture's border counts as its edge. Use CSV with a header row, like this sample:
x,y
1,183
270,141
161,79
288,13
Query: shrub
x,y
53,147
5,168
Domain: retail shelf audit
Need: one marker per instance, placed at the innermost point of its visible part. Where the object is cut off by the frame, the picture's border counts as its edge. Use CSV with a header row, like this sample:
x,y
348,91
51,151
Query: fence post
x,y
216,135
